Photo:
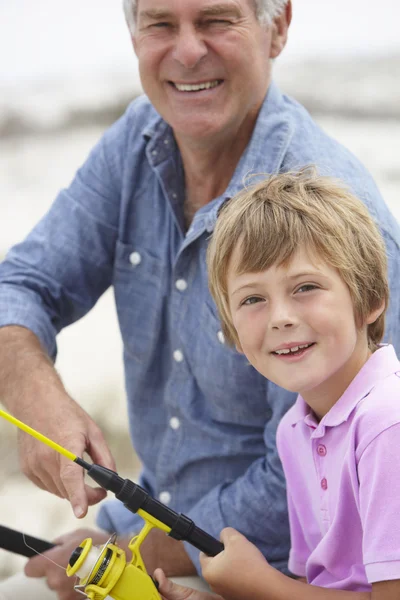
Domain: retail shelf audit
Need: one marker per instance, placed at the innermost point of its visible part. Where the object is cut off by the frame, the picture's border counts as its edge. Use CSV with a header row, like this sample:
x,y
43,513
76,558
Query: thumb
x,y
172,591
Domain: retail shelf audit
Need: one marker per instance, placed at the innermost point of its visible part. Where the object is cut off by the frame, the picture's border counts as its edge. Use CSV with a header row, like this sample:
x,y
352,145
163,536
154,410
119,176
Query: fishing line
x,y
40,554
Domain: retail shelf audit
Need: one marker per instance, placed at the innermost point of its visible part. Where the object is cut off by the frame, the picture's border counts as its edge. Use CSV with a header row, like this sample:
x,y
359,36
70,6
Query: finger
x,y
172,591
73,478
37,566
228,534
99,451
205,560
95,495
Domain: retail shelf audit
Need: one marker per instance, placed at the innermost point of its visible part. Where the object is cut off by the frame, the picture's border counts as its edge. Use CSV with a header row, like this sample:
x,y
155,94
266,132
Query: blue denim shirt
x,y
202,420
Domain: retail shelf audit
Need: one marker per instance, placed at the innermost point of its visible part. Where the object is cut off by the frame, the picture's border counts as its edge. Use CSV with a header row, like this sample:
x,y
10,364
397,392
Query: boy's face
x,y
296,325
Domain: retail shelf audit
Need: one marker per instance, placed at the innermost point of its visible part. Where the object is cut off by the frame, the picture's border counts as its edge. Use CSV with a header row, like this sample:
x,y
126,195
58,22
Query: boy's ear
x,y
238,348
375,314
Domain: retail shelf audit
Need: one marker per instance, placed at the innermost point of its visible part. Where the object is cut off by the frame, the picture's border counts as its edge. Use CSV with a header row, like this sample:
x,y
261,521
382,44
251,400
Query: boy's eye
x,y
307,287
251,300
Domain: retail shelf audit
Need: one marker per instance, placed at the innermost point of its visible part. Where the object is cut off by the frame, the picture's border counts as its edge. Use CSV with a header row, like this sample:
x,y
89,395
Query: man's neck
x,y
209,169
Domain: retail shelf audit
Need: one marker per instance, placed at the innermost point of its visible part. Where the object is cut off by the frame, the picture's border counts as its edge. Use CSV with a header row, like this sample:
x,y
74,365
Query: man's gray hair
x,y
266,11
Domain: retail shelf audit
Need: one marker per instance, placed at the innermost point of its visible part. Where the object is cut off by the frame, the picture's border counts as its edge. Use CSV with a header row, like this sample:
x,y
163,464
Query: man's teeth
x,y
186,87
289,350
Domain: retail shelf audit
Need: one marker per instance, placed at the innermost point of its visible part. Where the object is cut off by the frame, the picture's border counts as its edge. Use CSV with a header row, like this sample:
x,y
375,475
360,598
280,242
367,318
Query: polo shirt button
x,y
324,483
321,450
178,356
221,337
165,497
135,259
174,423
181,285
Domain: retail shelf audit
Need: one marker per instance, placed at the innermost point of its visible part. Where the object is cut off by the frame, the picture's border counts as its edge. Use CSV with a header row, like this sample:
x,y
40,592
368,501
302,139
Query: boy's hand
x,y
239,570
173,591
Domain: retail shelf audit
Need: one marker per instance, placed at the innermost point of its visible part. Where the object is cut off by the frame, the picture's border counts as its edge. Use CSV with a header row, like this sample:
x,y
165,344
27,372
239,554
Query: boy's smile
x,y
296,325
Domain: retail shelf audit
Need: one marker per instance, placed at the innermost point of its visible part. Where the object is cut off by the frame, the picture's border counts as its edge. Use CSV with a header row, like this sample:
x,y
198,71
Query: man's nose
x,y
189,48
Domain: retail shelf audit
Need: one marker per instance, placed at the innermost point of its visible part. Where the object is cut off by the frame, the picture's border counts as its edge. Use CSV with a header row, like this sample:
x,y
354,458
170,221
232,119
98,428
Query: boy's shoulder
x,y
377,411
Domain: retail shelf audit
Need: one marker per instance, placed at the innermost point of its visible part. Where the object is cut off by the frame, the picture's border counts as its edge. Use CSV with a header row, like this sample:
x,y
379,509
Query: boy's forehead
x,y
303,257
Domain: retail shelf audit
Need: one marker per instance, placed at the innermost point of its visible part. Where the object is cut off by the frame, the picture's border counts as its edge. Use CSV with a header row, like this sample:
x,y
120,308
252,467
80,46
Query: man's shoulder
x,y
139,118
141,112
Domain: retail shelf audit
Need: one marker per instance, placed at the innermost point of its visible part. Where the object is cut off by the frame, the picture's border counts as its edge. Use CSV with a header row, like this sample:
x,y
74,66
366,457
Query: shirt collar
x,y
380,365
273,124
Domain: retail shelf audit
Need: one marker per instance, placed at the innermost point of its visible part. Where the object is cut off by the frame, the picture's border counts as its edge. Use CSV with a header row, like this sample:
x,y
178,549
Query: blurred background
x,y
67,71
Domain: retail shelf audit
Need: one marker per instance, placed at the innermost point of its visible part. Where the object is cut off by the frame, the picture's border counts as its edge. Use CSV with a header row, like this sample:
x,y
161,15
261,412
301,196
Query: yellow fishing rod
x,y
104,571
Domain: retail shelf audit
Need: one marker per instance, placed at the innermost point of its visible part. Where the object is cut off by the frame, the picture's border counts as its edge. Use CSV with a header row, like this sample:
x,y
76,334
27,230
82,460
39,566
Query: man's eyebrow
x,y
212,11
154,13
220,9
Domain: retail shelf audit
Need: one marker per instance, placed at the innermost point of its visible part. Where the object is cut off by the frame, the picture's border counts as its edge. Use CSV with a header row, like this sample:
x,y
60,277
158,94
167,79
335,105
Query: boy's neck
x,y
323,398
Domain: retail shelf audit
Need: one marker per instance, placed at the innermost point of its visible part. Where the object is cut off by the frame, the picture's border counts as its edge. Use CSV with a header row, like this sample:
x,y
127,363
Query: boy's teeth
x,y
186,87
294,349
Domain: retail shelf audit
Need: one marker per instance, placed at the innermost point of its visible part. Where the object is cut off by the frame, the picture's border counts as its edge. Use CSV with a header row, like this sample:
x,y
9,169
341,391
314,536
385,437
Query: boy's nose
x,y
282,317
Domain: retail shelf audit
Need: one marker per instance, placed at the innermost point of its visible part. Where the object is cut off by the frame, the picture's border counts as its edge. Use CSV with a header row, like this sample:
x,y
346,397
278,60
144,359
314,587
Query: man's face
x,y
204,64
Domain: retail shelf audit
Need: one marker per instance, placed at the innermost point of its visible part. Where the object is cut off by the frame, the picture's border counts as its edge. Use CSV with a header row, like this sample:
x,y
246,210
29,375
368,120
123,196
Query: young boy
x,y
297,269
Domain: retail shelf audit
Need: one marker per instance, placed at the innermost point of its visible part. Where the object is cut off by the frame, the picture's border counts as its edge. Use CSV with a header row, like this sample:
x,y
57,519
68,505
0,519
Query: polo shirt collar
x,y
380,365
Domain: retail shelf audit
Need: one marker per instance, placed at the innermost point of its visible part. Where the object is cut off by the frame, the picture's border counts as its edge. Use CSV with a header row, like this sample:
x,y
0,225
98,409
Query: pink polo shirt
x,y
343,481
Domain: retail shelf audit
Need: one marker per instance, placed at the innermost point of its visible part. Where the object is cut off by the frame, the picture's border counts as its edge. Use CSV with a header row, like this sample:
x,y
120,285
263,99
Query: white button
x,y
166,142
165,497
221,337
135,259
174,195
181,285
154,153
174,423
178,355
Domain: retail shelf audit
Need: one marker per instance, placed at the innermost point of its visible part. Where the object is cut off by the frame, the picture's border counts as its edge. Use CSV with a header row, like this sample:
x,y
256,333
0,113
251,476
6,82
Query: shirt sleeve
x,y
59,271
378,472
255,503
392,316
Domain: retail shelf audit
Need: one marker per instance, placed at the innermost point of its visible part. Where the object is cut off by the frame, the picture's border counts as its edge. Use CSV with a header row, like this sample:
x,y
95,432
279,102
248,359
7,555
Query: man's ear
x,y
280,28
375,314
134,43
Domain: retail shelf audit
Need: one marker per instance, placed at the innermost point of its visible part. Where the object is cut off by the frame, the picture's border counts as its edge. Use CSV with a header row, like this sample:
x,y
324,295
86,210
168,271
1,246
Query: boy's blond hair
x,y
272,219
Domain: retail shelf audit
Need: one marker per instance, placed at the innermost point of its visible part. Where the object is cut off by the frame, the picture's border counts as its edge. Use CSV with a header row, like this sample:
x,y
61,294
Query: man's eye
x,y
218,22
160,25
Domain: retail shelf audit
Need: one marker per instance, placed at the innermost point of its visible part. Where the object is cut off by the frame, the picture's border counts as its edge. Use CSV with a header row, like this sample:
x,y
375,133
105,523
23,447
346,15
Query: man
x,y
138,216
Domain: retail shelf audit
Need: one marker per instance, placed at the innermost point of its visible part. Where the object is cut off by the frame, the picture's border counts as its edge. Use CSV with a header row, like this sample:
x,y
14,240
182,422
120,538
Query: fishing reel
x,y
104,571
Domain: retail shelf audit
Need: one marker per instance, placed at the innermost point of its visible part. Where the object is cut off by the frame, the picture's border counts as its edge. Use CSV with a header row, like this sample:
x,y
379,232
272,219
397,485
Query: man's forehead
x,y
162,7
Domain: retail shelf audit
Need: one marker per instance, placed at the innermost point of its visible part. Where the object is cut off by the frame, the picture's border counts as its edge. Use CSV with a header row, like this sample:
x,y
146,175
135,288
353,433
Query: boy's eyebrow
x,y
293,276
306,274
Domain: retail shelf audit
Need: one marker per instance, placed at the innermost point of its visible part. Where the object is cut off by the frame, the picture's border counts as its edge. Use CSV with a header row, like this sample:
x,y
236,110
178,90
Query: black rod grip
x,y
25,545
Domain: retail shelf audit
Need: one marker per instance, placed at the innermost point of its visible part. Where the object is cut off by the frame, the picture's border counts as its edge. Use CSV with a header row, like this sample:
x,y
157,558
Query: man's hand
x,y
66,423
240,570
47,565
31,389
173,591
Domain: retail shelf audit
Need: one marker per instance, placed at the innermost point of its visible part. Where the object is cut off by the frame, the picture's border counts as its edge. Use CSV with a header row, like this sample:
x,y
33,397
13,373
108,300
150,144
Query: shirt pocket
x,y
235,390
138,288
